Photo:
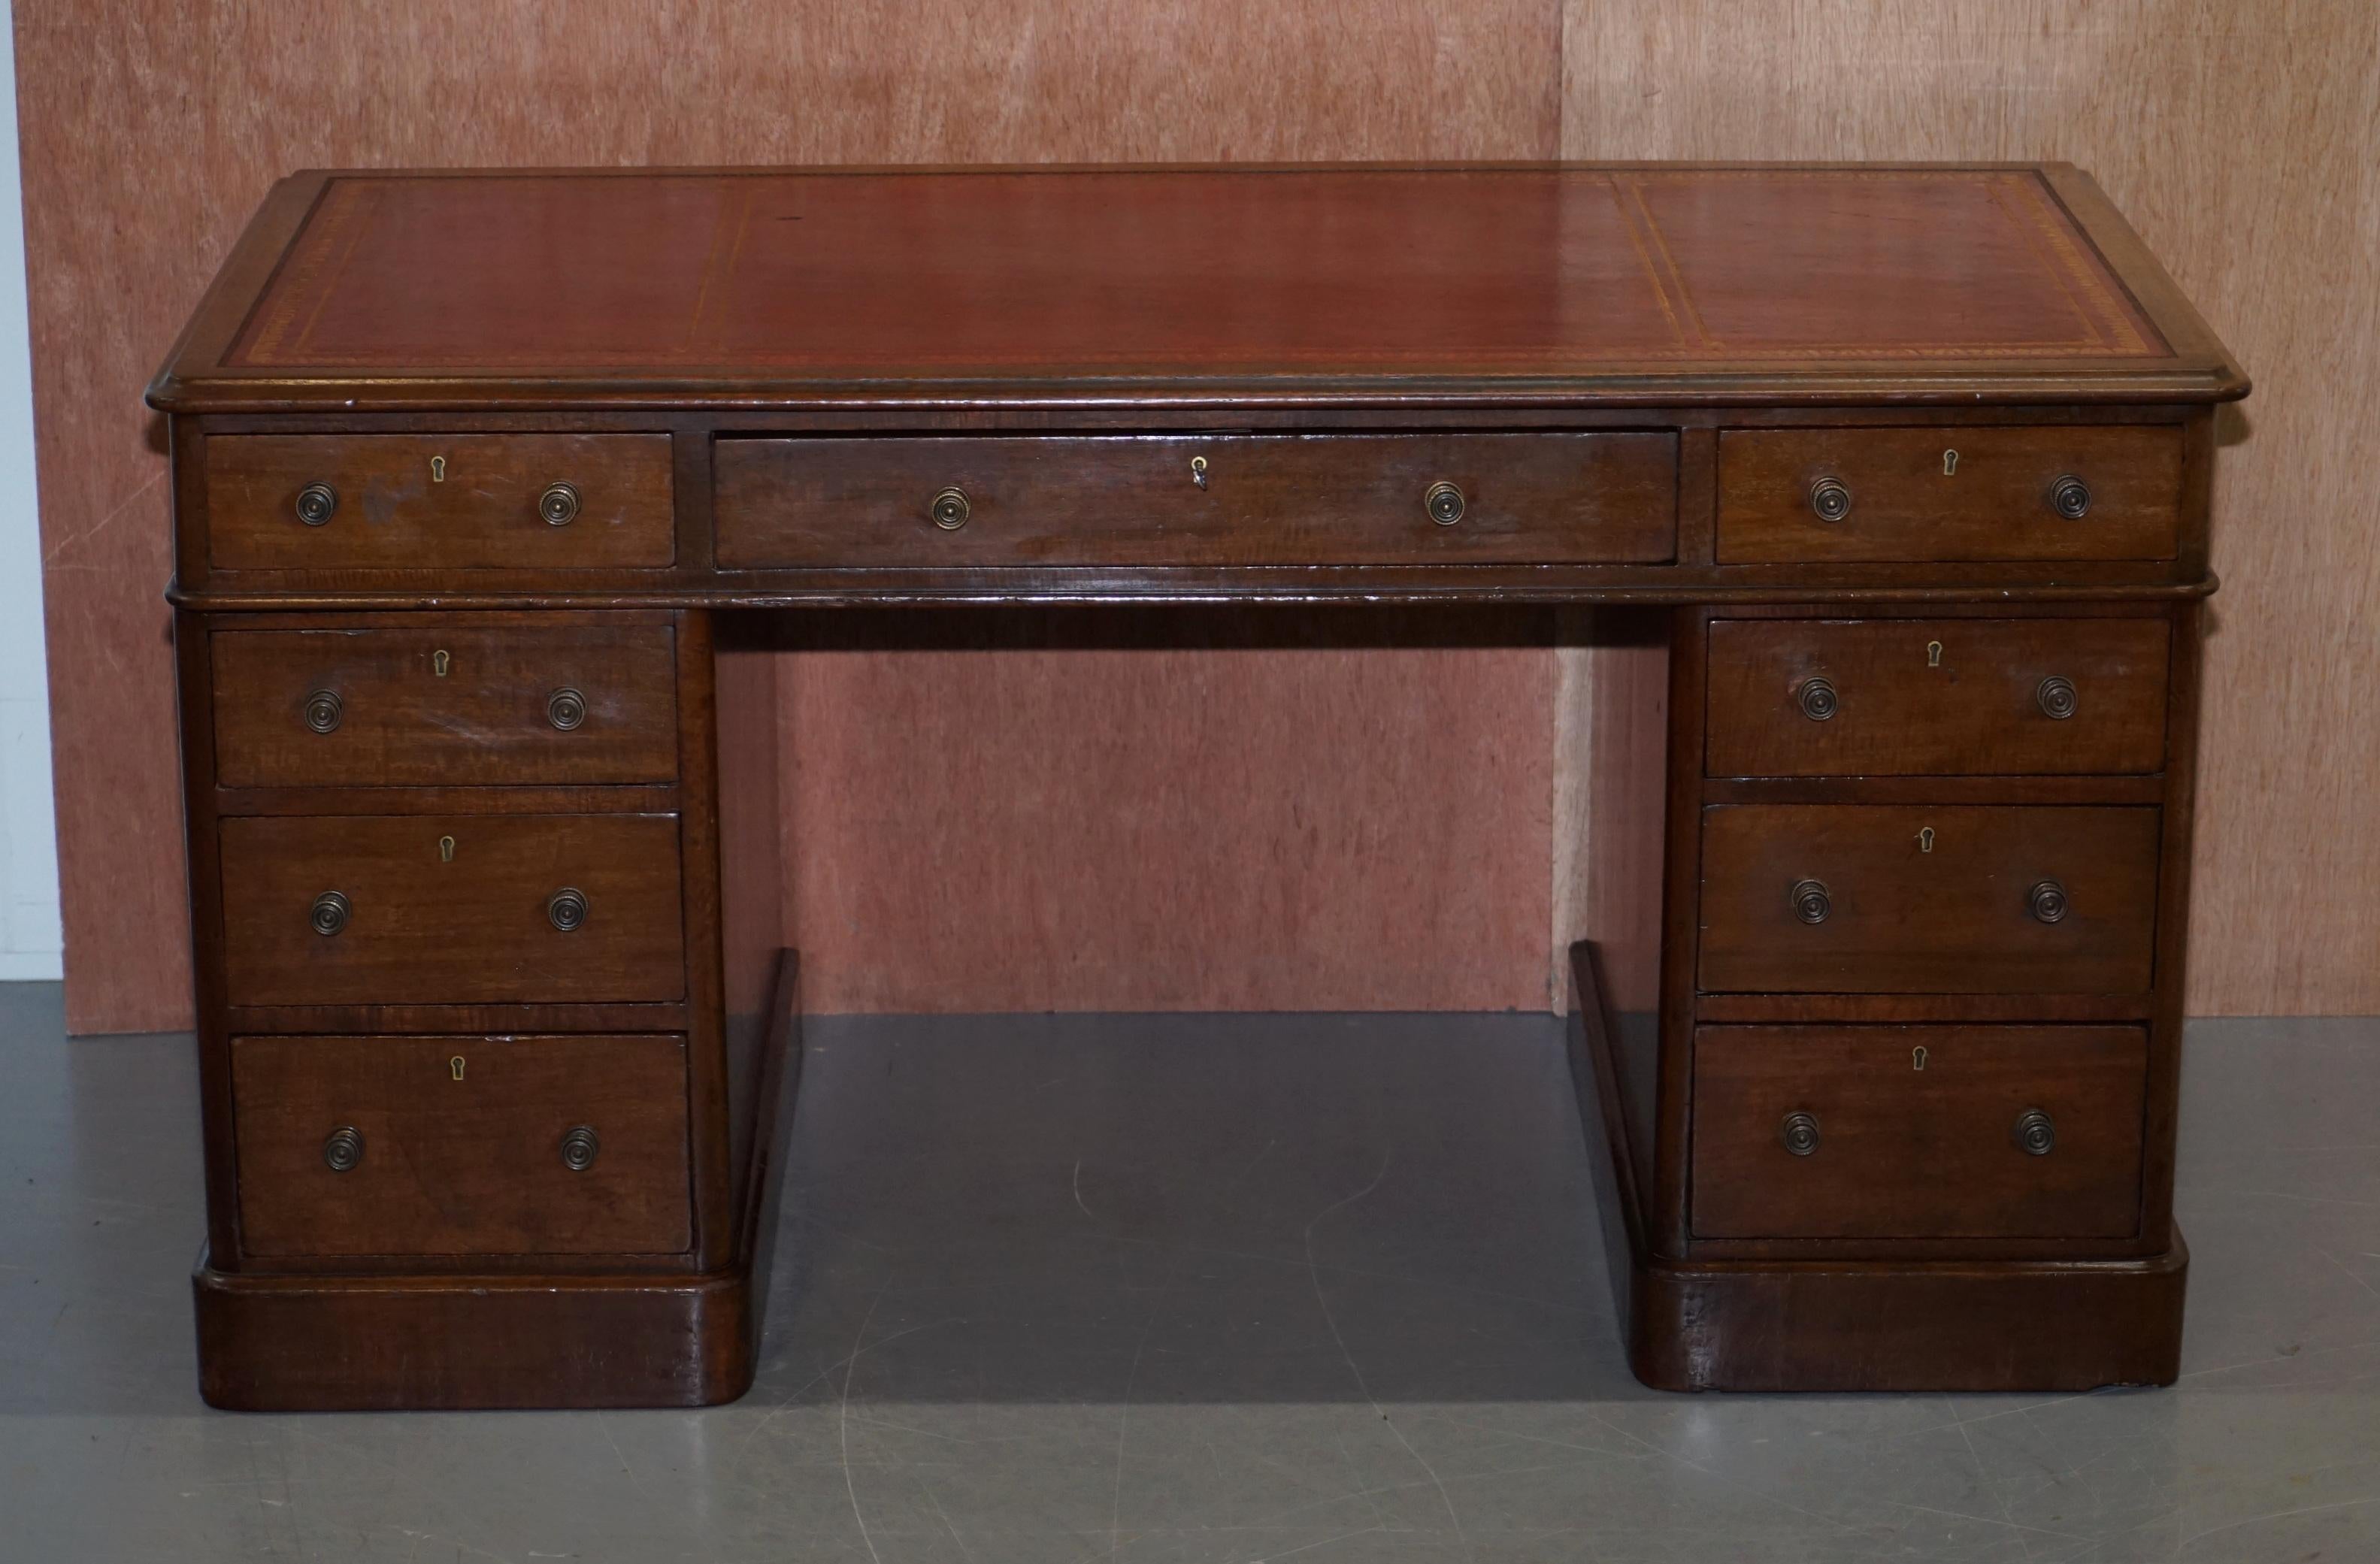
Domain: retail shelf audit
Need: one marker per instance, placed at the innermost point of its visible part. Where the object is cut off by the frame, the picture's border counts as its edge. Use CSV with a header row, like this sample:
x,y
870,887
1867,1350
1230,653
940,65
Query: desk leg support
x,y
285,1342
1857,1324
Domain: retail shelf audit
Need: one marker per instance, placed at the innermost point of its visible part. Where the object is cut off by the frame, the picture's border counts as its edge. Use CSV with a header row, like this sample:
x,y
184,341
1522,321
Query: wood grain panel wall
x,y
2243,140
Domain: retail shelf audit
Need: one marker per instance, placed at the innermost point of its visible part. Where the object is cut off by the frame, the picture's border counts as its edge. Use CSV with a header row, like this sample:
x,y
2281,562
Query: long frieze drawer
x,y
396,502
1974,899
1799,697
1918,1132
1157,500
562,705
2028,493
461,1146
474,909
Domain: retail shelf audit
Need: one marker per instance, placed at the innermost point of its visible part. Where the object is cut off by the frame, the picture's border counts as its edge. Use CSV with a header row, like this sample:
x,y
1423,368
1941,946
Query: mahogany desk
x,y
474,475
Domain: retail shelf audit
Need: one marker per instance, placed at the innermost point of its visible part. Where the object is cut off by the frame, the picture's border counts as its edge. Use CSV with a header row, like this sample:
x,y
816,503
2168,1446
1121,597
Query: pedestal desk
x,y
481,481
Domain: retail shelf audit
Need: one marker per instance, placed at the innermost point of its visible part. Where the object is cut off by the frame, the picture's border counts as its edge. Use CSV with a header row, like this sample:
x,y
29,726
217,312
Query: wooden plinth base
x,y
1859,1325
318,1343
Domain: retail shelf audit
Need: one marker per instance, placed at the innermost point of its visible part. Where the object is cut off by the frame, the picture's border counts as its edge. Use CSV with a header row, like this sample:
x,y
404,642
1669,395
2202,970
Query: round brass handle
x,y
324,711
2056,698
1817,700
2035,1133
949,510
565,708
567,908
2046,902
578,1148
558,504
1830,499
343,1149
329,913
316,504
1444,503
1811,903
1800,1132
2070,497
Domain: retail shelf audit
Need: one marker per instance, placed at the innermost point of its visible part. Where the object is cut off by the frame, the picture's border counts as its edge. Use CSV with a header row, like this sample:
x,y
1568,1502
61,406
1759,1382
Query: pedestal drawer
x,y
1798,698
461,1146
1850,898
1198,500
1946,493
445,704
1918,1132
473,909
438,502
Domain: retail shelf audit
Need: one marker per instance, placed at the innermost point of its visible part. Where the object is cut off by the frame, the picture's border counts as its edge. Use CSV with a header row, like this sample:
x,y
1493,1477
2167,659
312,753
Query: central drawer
x,y
1198,500
470,909
1924,899
461,1146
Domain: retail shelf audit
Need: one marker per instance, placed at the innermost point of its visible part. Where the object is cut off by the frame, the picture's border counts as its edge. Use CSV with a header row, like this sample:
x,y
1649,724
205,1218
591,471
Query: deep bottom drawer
x,y
1918,1132
461,1146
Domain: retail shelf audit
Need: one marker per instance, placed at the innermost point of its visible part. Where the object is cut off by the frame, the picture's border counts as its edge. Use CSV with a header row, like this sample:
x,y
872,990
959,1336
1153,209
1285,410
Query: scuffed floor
x,y
1199,1289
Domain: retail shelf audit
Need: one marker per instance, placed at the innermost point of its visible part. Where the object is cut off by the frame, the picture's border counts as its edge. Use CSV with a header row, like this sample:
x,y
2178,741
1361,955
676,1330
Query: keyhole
x,y
437,469
446,849
1933,654
438,663
455,1064
1198,471
1925,840
1916,1062
1949,464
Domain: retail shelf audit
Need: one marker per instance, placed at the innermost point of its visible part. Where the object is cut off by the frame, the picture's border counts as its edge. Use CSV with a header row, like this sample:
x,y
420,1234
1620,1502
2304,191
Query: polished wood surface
x,y
1919,913
453,703
1936,697
460,1147
425,929
1200,500
1914,1132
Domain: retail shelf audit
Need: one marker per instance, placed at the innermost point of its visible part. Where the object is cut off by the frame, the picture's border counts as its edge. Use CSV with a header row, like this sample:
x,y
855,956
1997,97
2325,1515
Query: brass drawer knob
x,y
2070,497
1830,499
2046,902
324,711
1817,700
1800,1132
341,1149
329,913
558,504
567,908
578,1148
949,510
317,502
1811,903
1444,503
2034,1132
2056,698
565,708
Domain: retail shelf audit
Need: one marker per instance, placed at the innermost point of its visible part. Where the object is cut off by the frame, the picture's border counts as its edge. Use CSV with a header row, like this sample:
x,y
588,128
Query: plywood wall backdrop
x,y
2243,140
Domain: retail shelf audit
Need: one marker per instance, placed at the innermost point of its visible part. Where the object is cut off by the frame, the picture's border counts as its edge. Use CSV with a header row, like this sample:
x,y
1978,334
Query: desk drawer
x,y
442,704
461,1146
1816,495
1157,499
1799,697
370,910
1918,1132
1972,898
438,502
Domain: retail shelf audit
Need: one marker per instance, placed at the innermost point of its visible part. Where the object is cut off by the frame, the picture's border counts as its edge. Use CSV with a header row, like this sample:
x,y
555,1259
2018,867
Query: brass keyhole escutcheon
x,y
455,1064
437,469
1925,838
1933,654
446,849
1198,471
1949,464
440,661
1916,1057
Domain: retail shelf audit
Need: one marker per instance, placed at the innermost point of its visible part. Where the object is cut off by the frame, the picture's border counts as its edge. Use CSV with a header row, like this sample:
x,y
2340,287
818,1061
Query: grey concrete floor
x,y
1198,1288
